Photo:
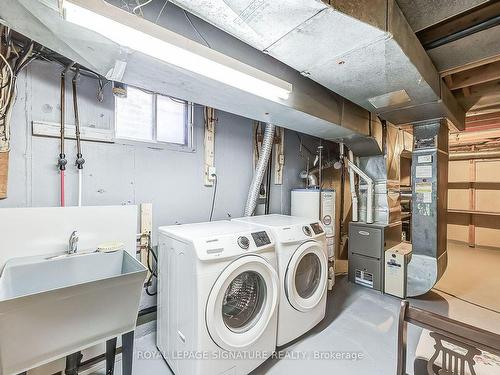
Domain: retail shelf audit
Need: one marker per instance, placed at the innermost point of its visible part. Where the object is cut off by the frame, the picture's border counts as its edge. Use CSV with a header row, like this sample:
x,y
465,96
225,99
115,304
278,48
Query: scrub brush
x,y
108,247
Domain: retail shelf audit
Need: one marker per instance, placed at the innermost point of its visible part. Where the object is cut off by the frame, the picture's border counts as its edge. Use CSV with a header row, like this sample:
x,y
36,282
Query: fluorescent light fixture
x,y
173,48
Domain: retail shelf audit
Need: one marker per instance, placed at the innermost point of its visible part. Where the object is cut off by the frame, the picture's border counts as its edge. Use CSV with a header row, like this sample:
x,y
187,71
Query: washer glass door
x,y
306,276
242,302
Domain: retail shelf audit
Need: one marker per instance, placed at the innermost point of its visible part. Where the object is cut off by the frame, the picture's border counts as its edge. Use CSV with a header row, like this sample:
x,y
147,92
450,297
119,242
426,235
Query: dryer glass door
x,y
242,302
306,276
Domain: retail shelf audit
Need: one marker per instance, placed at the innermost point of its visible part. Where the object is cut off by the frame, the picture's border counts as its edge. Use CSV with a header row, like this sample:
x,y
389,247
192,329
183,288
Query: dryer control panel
x,y
316,227
261,238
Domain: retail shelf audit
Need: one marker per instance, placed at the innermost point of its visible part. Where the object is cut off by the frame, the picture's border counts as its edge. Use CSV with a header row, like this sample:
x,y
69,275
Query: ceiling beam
x,y
486,121
469,66
473,137
484,89
477,112
475,76
488,101
483,117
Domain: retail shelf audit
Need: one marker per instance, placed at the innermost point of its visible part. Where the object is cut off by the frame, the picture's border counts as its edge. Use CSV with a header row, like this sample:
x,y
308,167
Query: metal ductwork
x,y
310,108
429,207
364,50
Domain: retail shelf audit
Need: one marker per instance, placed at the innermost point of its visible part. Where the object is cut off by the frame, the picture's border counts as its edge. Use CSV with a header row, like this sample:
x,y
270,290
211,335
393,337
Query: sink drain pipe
x,y
73,363
253,192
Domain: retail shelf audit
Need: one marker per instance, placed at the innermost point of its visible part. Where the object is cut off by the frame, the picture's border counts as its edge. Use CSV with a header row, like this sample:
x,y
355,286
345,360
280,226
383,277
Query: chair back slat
x,y
456,343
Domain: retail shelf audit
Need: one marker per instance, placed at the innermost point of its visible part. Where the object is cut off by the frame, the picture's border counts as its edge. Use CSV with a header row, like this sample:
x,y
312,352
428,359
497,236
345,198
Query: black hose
x,y
153,272
147,310
268,182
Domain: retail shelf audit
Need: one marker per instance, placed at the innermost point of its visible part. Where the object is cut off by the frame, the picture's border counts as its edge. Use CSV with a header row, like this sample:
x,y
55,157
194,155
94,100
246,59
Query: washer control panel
x,y
307,230
261,238
243,242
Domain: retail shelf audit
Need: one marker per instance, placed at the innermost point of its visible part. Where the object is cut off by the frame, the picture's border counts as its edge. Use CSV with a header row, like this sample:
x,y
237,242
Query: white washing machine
x,y
218,293
303,271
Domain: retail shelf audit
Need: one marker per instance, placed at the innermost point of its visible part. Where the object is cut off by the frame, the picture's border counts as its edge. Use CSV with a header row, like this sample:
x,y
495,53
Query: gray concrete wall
x,y
128,173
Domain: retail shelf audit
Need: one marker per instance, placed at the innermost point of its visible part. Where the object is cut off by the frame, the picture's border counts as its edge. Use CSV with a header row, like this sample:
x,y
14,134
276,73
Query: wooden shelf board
x,y
474,212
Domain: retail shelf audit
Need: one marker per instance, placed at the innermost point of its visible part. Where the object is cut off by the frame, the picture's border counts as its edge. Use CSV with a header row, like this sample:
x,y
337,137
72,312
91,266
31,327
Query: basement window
x,y
150,117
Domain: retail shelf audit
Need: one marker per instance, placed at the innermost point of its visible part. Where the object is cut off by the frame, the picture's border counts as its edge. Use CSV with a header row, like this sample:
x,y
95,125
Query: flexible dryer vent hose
x,y
253,193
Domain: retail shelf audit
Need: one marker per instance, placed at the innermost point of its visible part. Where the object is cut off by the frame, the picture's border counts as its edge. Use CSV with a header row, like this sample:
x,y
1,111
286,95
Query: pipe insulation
x,y
253,192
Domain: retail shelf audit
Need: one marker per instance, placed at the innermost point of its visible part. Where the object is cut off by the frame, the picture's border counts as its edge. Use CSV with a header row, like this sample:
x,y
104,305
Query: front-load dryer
x,y
301,253
218,293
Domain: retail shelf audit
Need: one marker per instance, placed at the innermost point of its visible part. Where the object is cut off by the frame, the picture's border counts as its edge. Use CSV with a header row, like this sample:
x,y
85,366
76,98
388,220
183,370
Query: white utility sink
x,y
54,306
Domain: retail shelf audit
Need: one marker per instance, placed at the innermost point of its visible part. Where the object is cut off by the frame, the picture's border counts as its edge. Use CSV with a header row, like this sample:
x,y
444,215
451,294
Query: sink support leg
x,y
127,352
72,363
110,356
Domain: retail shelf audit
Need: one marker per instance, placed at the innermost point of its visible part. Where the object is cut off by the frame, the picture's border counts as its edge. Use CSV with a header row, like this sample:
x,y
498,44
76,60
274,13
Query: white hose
x,y
80,177
253,192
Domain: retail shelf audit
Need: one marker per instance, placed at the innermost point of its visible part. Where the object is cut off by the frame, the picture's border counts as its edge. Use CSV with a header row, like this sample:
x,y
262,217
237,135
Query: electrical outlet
x,y
212,171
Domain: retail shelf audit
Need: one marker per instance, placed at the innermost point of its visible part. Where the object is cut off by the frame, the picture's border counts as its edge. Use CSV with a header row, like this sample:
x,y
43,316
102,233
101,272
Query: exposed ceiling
x,y
310,108
462,39
363,50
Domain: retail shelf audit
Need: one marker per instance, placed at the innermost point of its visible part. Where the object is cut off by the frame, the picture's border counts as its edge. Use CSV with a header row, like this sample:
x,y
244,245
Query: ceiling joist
x,y
481,74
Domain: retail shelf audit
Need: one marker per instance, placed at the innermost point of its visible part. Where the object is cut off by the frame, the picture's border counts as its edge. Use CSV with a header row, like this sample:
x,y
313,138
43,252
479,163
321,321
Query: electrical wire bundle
x,y
13,59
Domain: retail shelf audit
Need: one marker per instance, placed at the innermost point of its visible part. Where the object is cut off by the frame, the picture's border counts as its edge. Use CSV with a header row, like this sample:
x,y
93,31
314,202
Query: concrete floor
x,y
364,321
473,274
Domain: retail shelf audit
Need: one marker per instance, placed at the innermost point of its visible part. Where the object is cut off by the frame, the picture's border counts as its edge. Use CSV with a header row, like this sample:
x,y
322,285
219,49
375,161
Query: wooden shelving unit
x,y
472,206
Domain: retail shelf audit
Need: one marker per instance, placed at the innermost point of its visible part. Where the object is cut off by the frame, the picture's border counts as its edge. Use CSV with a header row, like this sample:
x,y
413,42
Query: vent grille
x,y
364,278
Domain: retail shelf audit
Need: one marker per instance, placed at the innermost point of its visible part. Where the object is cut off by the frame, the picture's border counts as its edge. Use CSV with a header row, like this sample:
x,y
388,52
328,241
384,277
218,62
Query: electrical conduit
x,y
253,193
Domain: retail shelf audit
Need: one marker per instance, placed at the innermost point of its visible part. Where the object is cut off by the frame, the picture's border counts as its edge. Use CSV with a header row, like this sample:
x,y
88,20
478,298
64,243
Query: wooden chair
x,y
471,340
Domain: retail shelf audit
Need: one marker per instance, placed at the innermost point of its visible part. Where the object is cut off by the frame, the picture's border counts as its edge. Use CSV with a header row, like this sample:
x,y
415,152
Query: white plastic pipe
x,y
370,192
354,196
80,177
253,192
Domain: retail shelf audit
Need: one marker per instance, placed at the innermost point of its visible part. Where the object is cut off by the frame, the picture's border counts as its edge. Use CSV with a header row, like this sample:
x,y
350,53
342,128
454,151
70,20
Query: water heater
x,y
307,203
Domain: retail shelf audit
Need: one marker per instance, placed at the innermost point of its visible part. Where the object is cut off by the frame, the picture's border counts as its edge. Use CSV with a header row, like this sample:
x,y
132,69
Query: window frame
x,y
154,143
